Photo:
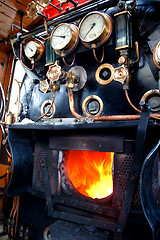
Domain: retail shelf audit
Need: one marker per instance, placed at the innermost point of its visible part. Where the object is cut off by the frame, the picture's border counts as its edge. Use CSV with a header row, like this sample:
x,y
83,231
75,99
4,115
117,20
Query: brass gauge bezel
x,y
148,95
38,52
86,102
71,44
156,58
103,36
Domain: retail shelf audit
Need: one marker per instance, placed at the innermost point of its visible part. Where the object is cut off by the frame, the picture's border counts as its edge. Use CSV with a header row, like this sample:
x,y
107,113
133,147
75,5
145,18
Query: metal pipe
x,y
99,118
59,9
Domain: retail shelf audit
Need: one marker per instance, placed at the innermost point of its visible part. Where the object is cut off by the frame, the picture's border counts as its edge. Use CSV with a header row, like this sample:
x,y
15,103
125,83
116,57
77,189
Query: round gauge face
x,y
61,36
30,49
156,55
158,52
91,27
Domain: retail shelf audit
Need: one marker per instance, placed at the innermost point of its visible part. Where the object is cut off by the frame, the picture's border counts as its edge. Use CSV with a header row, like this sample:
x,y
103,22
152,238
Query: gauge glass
x,y
91,27
30,49
61,36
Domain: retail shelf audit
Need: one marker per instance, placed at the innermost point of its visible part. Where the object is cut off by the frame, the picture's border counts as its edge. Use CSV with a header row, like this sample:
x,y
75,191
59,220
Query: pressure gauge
x,y
34,50
95,29
64,38
156,55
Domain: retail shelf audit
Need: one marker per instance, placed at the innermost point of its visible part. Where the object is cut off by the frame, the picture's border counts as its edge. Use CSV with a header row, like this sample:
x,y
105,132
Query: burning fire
x,y
90,172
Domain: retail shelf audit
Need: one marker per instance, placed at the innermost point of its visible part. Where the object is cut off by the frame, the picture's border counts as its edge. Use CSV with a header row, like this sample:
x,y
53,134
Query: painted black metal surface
x,y
149,204
134,173
22,165
144,74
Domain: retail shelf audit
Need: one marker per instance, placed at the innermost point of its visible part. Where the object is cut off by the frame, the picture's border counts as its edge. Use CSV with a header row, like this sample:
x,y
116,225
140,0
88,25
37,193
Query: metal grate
x,y
124,171
43,152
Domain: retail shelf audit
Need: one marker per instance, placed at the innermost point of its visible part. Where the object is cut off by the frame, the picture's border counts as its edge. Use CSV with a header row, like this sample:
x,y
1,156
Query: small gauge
x,y
34,50
64,38
156,55
94,29
152,97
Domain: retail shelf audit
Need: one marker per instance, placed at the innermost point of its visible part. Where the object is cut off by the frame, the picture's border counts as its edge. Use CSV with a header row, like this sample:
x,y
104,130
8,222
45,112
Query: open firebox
x,y
88,176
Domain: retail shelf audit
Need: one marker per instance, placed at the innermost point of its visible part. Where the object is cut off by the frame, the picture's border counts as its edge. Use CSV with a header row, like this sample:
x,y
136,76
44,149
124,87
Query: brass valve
x,y
55,73
120,74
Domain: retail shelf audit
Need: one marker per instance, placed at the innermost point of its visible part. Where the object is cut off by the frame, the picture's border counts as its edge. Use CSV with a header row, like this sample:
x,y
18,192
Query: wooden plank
x,y
7,9
6,27
9,15
16,4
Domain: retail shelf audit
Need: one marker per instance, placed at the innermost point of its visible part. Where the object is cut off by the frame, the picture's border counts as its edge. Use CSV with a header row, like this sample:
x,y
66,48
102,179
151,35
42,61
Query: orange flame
x,y
90,172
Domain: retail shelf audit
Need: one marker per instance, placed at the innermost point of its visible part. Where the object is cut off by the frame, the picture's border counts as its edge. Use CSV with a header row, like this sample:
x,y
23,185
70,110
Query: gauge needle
x,y
90,29
59,36
30,49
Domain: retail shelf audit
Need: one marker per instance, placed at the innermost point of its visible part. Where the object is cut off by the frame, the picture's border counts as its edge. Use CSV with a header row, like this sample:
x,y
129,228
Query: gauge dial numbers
x,y
34,49
64,38
95,29
156,55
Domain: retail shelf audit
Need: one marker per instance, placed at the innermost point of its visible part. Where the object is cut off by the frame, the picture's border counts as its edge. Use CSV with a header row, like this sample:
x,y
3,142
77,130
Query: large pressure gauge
x,y
64,38
94,29
34,50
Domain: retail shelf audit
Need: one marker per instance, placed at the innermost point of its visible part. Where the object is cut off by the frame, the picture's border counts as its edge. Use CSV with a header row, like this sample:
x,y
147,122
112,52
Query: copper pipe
x,y
154,116
95,56
17,211
69,65
9,154
99,118
43,115
71,105
117,118
129,101
137,51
